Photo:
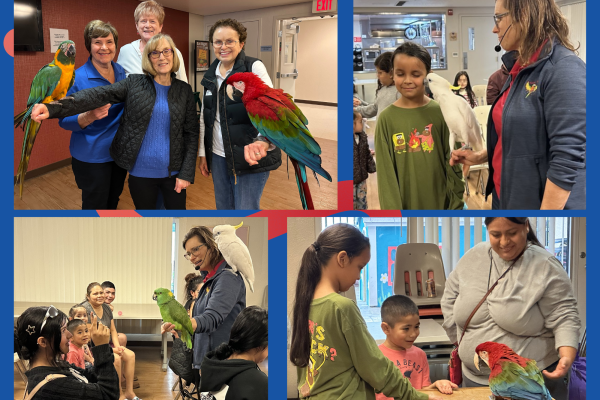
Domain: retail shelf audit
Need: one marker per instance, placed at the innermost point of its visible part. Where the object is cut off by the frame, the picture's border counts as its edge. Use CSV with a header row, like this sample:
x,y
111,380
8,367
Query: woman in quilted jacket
x,y
157,140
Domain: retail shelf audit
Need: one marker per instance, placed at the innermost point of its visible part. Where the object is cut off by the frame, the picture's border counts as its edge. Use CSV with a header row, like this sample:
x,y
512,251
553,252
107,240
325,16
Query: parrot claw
x,y
466,147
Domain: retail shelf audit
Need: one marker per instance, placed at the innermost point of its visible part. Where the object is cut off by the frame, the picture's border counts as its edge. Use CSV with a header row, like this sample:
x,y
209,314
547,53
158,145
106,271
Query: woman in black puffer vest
x,y
157,140
230,147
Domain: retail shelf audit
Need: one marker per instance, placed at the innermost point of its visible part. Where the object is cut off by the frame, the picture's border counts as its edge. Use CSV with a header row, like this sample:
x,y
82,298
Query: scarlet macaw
x,y
278,118
512,376
51,83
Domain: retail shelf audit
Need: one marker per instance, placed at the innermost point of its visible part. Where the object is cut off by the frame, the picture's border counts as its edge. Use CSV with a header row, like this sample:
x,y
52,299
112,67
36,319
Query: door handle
x,y
465,60
294,75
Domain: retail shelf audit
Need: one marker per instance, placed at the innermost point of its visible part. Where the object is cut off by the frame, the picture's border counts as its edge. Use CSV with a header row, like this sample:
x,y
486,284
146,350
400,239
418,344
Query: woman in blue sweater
x,y
536,137
157,139
97,175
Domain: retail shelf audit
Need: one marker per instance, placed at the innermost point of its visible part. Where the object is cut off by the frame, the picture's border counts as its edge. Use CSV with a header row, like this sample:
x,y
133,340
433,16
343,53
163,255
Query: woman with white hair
x,y
149,18
157,140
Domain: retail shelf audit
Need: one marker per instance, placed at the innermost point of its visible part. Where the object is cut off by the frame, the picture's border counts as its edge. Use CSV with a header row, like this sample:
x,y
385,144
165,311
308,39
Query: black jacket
x,y
139,95
103,381
364,164
240,379
236,128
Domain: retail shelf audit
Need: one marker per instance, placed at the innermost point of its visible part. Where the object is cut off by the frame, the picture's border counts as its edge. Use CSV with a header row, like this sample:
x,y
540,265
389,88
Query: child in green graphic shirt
x,y
412,143
335,356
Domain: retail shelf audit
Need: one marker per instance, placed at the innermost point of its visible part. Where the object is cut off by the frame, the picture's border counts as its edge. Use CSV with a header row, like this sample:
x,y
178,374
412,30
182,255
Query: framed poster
x,y
202,55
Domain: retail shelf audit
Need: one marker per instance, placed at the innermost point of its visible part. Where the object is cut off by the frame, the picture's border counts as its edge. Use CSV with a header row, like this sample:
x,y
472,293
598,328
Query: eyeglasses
x,y
194,252
51,313
165,52
498,18
227,43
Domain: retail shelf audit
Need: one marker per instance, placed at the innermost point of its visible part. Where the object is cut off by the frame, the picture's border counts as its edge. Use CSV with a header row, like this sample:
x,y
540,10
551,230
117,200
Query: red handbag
x,y
455,365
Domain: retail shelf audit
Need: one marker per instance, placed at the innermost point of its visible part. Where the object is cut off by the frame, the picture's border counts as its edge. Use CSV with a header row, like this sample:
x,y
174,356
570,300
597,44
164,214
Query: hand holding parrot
x,y
567,357
254,152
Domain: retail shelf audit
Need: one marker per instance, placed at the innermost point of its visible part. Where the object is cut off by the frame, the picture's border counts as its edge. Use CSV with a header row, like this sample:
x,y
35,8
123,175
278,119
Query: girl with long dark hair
x,y
335,355
42,338
386,92
232,368
532,309
466,91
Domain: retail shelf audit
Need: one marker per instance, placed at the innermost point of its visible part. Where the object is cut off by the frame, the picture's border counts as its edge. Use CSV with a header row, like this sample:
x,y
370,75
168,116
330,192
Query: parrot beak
x,y
454,87
229,91
154,297
476,362
239,226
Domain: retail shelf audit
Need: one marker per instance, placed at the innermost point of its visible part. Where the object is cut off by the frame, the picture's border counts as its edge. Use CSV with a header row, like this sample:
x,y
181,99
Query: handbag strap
x,y
39,385
488,293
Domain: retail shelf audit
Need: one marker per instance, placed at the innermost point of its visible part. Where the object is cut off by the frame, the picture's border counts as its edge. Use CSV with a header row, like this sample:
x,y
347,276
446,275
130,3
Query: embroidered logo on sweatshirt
x,y
530,87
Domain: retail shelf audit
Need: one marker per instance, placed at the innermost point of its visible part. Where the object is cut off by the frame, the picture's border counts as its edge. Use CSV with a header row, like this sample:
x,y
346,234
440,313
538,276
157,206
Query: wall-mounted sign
x,y
324,6
57,36
357,39
453,36
202,56
266,48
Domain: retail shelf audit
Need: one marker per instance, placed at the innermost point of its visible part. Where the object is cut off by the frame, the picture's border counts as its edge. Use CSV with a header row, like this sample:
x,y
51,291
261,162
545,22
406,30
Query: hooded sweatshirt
x,y
233,379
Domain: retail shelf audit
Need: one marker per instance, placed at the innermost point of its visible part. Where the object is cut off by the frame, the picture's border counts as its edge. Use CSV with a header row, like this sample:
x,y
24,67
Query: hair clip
x,y
32,329
316,246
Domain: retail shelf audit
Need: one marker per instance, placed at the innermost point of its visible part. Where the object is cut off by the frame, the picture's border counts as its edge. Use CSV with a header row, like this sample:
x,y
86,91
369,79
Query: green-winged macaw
x,y
274,114
51,83
512,376
172,311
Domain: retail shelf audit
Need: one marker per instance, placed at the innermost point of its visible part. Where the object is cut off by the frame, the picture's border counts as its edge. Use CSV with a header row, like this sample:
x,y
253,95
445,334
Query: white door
x,y
478,57
288,53
578,266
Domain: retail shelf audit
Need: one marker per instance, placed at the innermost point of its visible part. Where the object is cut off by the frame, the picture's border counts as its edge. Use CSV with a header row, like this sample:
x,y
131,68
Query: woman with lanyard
x,y
230,147
537,126
530,307
221,298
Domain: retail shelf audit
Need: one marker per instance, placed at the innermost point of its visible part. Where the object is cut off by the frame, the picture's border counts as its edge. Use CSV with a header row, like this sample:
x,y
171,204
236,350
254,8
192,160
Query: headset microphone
x,y
498,48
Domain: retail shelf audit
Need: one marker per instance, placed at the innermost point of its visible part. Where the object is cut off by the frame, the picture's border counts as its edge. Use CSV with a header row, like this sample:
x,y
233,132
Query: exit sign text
x,y
321,6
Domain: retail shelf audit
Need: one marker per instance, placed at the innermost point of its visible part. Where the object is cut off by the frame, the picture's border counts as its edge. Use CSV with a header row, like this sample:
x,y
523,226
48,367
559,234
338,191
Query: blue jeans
x,y
245,195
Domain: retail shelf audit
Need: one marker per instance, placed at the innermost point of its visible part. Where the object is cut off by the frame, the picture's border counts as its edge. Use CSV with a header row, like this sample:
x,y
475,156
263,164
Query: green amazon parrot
x,y
172,311
51,83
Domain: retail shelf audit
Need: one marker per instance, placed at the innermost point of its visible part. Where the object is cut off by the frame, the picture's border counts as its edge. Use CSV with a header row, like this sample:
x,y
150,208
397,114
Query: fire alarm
x,y
450,11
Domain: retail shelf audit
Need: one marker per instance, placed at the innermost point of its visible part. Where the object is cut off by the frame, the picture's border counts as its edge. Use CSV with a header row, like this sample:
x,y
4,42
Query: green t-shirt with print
x,y
345,362
412,155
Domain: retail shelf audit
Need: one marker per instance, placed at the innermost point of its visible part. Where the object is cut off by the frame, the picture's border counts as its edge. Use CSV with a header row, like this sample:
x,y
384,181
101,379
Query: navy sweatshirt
x,y
543,130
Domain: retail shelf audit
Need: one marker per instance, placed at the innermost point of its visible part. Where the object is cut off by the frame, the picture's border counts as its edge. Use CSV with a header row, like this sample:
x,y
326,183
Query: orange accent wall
x,y
52,143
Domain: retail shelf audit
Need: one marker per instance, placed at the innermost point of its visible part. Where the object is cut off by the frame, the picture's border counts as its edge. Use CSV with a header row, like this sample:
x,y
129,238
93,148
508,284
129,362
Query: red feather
x,y
500,352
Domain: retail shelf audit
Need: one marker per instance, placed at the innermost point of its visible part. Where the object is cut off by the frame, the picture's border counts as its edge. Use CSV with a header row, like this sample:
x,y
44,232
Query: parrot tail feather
x,y
302,197
31,130
19,118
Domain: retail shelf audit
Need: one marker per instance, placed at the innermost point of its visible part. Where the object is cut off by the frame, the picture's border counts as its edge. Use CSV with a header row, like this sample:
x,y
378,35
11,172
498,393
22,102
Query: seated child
x,y
400,323
81,337
78,312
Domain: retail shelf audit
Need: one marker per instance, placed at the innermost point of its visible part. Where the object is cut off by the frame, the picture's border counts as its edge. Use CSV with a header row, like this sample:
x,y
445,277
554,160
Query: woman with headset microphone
x,y
536,135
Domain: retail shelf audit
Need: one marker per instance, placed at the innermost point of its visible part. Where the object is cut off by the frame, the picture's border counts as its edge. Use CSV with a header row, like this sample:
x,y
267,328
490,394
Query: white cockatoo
x,y
235,251
459,116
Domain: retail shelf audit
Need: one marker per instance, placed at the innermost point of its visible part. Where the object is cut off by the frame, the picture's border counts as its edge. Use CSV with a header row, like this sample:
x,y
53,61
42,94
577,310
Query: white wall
x,y
317,60
267,18
196,33
576,15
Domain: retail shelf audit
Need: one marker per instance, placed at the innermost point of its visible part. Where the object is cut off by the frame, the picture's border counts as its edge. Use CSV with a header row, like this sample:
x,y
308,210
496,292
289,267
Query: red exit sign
x,y
321,6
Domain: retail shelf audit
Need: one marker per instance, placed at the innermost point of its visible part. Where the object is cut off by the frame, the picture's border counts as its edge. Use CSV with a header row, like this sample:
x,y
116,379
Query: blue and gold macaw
x,y
51,83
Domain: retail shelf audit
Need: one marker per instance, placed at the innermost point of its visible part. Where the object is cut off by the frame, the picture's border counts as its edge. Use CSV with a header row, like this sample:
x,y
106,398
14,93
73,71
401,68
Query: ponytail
x,y
333,240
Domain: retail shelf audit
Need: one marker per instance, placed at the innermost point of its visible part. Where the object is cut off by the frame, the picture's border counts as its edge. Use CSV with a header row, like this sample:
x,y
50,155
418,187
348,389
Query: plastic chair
x,y
415,263
21,367
265,300
480,94
481,113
